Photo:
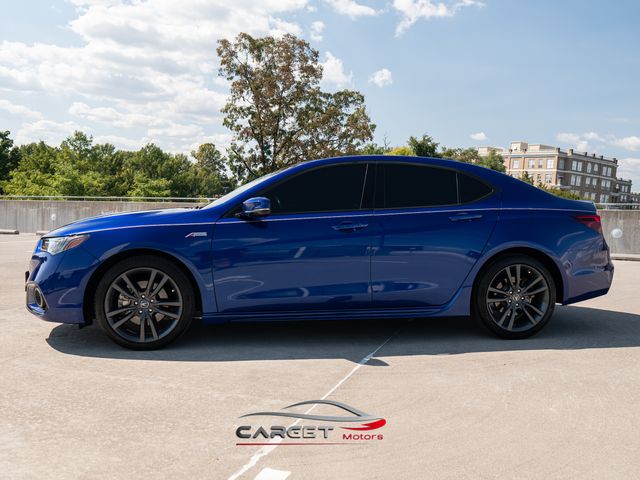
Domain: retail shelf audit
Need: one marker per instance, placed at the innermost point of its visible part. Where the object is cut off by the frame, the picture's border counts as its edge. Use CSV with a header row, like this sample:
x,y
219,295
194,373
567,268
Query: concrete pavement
x,y
458,402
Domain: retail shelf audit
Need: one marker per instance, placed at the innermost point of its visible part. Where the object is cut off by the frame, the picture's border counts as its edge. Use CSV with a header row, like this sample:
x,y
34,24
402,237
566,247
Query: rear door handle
x,y
465,217
349,226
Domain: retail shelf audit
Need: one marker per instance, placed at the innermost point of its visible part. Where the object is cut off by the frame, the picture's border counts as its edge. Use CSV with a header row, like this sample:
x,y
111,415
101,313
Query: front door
x,y
312,252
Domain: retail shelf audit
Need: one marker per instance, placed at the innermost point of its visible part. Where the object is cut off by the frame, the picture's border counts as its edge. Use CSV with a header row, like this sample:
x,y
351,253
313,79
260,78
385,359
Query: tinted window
x,y
471,189
325,189
418,186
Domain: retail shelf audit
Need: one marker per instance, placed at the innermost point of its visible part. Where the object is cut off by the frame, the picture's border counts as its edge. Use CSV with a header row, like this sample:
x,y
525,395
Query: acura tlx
x,y
344,238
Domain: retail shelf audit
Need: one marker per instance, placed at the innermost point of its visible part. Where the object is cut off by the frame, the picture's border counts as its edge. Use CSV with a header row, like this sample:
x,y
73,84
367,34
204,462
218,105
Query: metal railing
x,y
107,199
618,206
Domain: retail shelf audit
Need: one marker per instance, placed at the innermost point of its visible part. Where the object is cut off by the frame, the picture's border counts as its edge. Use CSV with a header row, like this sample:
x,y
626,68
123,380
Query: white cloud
x,y
19,110
351,8
47,130
333,71
413,10
480,136
585,141
143,65
629,168
381,77
628,143
316,31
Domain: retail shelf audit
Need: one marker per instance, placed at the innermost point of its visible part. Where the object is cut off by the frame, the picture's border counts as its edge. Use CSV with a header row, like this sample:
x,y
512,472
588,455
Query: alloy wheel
x,y
518,297
143,305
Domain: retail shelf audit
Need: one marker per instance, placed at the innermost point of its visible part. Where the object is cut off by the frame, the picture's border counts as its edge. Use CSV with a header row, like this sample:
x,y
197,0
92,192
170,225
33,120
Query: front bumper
x,y
55,284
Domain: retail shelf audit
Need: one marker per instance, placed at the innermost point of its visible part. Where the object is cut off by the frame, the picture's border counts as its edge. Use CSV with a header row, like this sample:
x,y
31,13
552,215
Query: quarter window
x,y
471,189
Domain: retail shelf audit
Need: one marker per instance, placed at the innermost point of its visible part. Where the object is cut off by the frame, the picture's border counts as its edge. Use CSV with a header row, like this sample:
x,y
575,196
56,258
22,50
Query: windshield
x,y
241,189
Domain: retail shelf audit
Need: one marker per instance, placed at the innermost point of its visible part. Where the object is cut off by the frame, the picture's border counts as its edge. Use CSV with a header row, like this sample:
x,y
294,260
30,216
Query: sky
x,y
467,72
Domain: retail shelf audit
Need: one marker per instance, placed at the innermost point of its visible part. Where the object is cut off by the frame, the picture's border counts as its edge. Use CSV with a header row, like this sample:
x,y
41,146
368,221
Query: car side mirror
x,y
256,207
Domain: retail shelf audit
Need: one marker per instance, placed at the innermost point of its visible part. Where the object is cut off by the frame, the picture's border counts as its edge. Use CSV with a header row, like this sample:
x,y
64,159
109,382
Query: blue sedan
x,y
343,238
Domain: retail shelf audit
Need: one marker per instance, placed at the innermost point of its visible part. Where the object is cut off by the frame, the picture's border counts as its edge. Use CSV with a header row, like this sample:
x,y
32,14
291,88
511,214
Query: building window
x,y
548,177
515,163
541,163
549,163
539,178
561,164
595,182
576,165
595,168
531,163
587,180
588,167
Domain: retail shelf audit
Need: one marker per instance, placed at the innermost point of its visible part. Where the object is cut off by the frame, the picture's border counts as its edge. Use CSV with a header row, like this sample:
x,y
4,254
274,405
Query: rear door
x,y
312,252
435,224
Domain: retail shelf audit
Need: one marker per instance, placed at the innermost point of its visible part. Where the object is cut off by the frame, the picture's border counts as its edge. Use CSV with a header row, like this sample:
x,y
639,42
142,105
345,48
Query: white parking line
x,y
271,474
267,449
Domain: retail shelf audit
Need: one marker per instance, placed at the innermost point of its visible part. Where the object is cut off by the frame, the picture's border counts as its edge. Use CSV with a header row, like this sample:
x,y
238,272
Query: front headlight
x,y
55,245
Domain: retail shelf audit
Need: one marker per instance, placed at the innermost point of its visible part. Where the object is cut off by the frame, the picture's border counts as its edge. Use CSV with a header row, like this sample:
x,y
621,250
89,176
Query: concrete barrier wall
x,y
28,216
622,230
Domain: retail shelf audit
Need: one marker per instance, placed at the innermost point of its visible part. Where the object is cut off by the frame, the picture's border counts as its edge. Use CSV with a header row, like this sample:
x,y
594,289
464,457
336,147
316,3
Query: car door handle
x,y
465,216
349,226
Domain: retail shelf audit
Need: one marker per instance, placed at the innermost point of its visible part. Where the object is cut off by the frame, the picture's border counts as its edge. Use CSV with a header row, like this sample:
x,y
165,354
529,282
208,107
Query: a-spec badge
x,y
196,234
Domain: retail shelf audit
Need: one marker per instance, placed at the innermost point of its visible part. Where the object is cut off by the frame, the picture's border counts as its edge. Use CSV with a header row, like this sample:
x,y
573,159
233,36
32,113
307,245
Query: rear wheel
x,y
515,296
144,302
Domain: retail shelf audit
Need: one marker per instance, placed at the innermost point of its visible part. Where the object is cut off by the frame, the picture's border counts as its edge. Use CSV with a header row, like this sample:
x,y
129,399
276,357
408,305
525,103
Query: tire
x,y
140,316
529,291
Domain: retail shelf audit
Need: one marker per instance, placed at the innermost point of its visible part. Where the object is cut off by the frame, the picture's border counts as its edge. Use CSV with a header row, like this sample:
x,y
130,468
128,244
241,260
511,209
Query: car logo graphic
x,y
369,422
195,234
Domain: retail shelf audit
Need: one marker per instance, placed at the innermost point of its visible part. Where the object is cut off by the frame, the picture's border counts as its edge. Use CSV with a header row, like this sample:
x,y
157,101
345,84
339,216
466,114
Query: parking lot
x,y
458,402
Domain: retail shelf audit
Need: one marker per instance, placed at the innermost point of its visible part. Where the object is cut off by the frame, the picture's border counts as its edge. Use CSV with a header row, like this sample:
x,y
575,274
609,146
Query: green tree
x,y
526,177
35,173
208,173
559,192
9,158
467,155
155,173
424,147
276,110
402,151
494,161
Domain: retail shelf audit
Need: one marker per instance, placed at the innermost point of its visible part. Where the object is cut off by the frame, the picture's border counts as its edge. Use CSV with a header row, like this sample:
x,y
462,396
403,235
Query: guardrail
x,y
618,206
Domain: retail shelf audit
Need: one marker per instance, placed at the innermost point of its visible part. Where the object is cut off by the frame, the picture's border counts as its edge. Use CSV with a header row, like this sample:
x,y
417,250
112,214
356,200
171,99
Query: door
x,y
312,252
435,224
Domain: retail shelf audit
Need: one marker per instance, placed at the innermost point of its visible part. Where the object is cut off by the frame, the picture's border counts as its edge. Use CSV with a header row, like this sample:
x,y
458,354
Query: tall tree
x,y
9,158
424,147
494,161
276,110
35,174
209,176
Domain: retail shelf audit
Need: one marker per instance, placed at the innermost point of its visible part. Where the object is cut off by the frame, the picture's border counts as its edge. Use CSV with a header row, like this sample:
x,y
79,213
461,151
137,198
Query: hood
x,y
130,219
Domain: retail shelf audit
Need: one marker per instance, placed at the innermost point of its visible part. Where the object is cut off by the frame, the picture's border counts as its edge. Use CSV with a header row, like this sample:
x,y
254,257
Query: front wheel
x,y
515,296
144,302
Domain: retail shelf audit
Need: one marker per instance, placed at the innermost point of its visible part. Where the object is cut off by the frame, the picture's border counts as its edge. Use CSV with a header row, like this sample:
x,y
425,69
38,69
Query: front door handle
x,y
465,217
349,226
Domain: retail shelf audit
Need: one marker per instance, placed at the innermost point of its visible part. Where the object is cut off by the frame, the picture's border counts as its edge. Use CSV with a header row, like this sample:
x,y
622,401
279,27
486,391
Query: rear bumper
x,y
588,279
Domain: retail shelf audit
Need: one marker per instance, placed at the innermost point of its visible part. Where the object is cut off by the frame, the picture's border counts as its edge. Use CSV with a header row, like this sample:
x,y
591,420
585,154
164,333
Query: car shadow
x,y
572,328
